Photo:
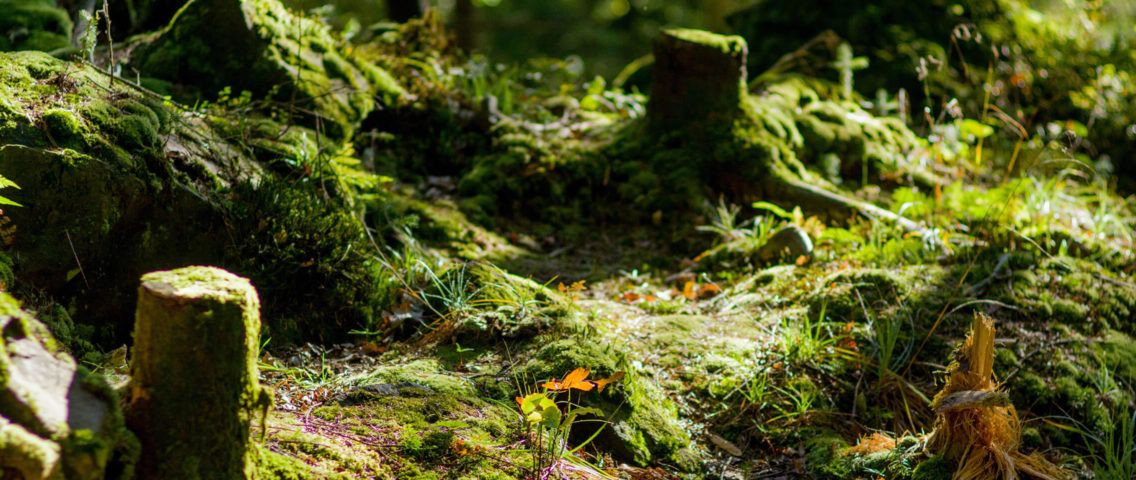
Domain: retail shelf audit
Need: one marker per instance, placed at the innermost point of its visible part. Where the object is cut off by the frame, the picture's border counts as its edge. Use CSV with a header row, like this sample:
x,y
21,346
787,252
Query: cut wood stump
x,y
698,76
194,388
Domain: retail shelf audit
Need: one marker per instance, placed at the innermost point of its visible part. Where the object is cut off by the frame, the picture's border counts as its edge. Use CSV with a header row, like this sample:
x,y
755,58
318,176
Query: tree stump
x,y
194,386
698,76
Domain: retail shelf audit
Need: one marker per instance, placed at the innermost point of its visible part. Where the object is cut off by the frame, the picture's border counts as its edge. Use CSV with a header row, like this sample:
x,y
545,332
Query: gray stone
x,y
789,242
45,401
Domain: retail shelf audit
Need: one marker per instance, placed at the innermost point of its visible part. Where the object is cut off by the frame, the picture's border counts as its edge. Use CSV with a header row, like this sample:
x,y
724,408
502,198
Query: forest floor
x,y
469,270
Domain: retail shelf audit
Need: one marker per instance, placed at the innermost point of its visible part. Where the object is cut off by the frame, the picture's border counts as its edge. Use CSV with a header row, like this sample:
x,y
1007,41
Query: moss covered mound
x,y
33,25
113,183
116,182
270,52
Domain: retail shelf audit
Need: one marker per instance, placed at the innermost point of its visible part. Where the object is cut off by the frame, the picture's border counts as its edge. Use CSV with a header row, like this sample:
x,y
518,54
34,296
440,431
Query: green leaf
x,y
774,209
551,415
975,128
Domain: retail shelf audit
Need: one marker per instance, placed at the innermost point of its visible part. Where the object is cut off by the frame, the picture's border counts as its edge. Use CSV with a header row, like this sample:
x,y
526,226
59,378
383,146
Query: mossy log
x,y
194,389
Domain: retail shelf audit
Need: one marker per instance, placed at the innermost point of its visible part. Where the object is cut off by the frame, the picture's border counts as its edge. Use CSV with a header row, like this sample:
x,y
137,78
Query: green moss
x,y
27,454
309,257
1118,352
728,44
822,455
435,435
274,466
644,420
33,25
270,52
427,373
432,447
933,468
1075,292
63,126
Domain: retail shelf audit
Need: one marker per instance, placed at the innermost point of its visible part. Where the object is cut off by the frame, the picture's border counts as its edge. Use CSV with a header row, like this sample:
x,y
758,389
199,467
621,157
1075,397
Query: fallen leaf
x,y
577,379
603,382
725,445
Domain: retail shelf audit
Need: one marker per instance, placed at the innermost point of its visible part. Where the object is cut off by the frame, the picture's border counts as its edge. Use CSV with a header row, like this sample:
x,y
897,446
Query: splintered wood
x,y
976,425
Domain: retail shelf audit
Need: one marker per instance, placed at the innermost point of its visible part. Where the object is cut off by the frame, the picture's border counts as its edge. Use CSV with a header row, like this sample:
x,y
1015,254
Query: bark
x,y
698,77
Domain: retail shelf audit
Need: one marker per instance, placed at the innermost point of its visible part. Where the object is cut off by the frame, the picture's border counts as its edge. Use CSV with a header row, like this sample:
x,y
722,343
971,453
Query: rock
x,y
28,455
194,389
268,51
55,418
698,77
790,242
113,182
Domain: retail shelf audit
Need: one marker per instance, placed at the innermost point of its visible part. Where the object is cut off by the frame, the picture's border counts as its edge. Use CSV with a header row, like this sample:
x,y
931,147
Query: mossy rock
x,y
115,183
644,425
270,52
33,25
57,419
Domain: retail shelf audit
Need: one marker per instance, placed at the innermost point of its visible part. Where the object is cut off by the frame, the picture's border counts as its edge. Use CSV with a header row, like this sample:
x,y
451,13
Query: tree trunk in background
x,y
403,10
699,79
465,24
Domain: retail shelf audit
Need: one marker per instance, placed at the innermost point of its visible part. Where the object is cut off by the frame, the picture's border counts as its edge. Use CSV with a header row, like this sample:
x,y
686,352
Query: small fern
x,y
5,183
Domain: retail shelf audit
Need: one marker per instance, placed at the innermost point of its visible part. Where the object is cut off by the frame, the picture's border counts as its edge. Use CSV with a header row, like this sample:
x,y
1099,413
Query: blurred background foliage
x,y
1036,71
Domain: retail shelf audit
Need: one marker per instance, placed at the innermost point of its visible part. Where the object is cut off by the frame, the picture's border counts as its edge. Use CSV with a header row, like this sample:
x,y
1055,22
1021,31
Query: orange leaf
x,y
576,379
578,375
709,290
689,291
603,382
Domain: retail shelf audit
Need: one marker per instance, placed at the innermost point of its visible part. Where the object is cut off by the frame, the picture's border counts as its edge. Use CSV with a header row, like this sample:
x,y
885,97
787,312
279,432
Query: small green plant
x,y
460,350
451,293
807,340
1116,447
799,398
548,421
5,183
724,222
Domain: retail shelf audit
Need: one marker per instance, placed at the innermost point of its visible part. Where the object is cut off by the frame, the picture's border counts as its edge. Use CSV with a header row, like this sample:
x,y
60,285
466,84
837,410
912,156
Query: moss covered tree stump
x,y
698,76
712,128
194,387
